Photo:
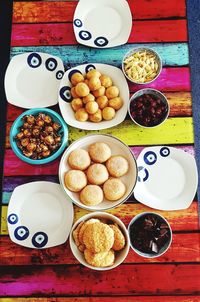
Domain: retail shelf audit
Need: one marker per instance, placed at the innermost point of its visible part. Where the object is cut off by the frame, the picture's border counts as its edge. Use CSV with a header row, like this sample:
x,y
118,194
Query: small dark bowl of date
x,y
148,108
150,234
38,136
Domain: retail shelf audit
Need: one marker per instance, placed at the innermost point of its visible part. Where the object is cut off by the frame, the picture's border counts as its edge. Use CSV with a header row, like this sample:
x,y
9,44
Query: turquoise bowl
x,y
18,123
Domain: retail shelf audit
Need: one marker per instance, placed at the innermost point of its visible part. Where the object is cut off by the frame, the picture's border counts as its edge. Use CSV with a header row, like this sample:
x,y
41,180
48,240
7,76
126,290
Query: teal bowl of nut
x,y
38,136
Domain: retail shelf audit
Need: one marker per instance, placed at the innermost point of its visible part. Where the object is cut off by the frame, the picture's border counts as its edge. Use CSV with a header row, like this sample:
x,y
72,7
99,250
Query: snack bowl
x,y
148,108
117,148
105,218
145,62
63,131
150,235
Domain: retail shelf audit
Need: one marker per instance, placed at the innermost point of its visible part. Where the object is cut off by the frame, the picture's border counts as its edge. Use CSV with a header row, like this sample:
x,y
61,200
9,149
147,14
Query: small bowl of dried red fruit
x,y
148,108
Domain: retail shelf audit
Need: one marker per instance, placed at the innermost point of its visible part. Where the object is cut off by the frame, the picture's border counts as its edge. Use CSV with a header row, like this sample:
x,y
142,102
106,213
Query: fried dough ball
x,y
94,83
73,93
91,195
102,259
99,92
93,73
81,115
102,101
119,239
105,81
79,159
98,237
76,104
82,89
114,189
84,226
86,81
108,113
75,180
112,92
76,78
88,98
92,107
116,103
117,166
99,152
97,117
97,174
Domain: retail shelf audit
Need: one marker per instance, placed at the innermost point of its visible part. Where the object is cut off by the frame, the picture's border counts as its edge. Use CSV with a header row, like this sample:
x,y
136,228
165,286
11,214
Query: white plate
x,y
167,178
32,80
65,96
39,215
117,148
102,23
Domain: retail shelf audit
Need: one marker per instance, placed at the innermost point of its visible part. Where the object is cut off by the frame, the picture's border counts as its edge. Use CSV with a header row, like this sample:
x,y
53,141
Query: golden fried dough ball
x,y
86,81
105,81
108,113
76,104
76,233
81,115
91,107
93,73
79,159
97,174
94,83
99,152
98,237
99,92
115,103
88,98
82,89
73,93
91,195
102,259
97,117
75,180
83,227
114,189
119,239
112,92
117,165
76,78
102,101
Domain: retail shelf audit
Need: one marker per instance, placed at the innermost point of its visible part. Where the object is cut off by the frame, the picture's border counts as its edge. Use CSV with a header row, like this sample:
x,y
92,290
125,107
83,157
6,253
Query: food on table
x,y
114,189
117,166
89,98
99,152
83,227
75,180
91,195
112,92
82,89
76,78
91,107
39,136
93,73
102,259
79,159
119,239
77,104
115,103
97,174
102,101
99,92
108,113
105,81
96,117
94,83
148,110
81,115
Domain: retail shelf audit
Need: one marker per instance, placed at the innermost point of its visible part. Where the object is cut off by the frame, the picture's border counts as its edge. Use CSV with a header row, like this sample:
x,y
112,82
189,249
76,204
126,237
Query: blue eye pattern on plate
x,y
78,23
143,174
39,239
101,41
59,74
21,233
51,64
164,151
65,94
89,67
34,60
13,219
85,35
150,158
70,74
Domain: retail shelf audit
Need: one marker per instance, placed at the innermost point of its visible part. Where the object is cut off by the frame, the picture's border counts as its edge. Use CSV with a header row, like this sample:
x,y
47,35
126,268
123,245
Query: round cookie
x,y
117,165
119,239
97,174
91,195
83,227
75,180
79,159
102,259
76,232
99,152
114,189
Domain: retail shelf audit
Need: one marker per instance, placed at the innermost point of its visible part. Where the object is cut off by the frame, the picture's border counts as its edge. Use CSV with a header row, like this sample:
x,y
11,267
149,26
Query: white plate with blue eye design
x,y
39,215
167,178
32,80
102,23
65,97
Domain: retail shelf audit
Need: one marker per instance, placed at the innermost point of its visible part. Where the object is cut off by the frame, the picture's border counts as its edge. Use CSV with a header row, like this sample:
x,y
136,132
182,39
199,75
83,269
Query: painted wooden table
x,y
175,276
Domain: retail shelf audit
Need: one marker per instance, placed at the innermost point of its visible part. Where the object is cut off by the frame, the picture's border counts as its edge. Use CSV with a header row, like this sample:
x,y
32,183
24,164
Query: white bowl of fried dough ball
x,y
99,241
98,172
94,96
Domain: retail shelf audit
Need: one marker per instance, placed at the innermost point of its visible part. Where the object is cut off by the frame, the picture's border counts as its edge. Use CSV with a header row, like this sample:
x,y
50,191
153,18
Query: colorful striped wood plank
x,y
124,280
30,12
63,34
172,54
